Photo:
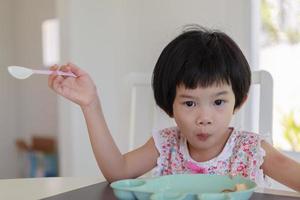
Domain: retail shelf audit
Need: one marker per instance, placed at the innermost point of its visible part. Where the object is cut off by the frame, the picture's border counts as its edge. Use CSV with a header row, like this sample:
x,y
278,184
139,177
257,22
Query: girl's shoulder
x,y
246,137
248,143
166,137
170,133
247,156
240,142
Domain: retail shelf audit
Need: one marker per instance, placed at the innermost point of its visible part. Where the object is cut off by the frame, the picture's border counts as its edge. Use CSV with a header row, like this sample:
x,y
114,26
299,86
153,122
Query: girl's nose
x,y
204,122
204,118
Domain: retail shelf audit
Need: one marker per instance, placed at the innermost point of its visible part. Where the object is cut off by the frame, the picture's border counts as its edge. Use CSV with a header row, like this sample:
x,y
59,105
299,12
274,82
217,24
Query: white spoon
x,y
23,72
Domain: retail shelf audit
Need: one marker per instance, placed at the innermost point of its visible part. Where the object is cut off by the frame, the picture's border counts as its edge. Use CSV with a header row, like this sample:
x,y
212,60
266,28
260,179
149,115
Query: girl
x,y
201,79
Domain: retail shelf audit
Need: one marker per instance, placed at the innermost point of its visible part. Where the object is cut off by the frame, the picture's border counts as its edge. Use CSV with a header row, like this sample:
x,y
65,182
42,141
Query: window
x,y
280,55
50,37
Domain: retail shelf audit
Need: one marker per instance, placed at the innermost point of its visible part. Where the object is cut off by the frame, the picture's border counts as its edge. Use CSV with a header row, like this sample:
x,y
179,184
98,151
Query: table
x,y
90,188
38,188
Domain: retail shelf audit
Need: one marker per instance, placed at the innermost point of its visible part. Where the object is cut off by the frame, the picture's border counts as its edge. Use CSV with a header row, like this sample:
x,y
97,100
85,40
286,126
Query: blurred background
x,y
45,135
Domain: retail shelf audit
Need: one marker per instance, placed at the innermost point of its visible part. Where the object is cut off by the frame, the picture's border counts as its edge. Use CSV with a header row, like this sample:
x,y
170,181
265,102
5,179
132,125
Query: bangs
x,y
204,69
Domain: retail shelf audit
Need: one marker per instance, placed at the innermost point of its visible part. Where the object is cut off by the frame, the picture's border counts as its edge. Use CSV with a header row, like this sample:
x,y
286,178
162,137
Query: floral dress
x,y
241,155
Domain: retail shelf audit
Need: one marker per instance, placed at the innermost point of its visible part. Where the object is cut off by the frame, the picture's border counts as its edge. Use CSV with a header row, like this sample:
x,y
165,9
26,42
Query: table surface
x,y
38,188
93,188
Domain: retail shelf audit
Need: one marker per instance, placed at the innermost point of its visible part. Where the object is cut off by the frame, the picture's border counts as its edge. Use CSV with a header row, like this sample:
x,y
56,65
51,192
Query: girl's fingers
x,y
52,76
68,82
53,67
51,79
76,70
69,67
57,83
62,68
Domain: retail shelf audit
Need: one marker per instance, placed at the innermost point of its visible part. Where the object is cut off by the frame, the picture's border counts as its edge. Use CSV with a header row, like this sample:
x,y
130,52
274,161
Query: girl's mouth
x,y
202,136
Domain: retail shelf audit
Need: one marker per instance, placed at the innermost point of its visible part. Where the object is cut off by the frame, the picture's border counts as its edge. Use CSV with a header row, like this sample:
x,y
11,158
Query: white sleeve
x,y
158,140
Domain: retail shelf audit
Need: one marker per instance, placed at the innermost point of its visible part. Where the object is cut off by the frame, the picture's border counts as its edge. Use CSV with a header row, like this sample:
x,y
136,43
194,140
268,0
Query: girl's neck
x,y
206,155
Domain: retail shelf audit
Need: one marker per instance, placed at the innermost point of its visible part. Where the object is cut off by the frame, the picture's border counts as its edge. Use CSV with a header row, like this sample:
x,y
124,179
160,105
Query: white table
x,y
37,188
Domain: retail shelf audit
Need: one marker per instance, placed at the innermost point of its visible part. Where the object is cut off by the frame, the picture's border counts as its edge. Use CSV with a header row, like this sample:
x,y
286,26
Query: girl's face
x,y
203,116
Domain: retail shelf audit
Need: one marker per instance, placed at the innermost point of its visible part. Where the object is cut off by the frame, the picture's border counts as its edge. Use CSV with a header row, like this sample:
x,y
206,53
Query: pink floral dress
x,y
242,155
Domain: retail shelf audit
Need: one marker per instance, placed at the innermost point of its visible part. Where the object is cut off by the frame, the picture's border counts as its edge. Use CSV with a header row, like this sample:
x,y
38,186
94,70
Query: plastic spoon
x,y
23,72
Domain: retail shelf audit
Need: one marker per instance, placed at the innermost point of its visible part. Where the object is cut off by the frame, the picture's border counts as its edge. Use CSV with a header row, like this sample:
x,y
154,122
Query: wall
x,y
27,107
8,156
37,105
110,39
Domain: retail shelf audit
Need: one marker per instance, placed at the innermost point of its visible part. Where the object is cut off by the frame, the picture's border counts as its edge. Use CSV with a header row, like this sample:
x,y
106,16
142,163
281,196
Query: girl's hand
x,y
81,90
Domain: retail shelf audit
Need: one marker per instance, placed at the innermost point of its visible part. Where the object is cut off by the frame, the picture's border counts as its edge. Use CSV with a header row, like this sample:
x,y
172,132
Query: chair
x,y
145,116
261,117
265,80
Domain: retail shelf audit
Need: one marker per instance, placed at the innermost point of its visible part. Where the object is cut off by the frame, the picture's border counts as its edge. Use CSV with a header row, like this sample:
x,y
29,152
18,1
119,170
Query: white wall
x,y
37,105
110,39
8,156
26,107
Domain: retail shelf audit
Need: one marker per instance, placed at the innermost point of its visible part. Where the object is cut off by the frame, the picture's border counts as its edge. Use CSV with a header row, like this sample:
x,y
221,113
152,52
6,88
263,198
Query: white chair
x,y
265,80
145,116
260,104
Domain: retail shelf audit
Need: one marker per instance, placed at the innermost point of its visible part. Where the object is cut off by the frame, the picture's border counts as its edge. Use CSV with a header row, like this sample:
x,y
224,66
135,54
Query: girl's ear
x,y
242,103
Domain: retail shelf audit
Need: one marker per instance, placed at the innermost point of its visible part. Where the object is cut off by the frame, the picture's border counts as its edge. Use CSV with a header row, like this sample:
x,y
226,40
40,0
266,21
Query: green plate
x,y
183,187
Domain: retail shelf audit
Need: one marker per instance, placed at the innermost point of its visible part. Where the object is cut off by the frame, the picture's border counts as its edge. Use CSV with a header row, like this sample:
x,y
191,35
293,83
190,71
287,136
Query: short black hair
x,y
200,57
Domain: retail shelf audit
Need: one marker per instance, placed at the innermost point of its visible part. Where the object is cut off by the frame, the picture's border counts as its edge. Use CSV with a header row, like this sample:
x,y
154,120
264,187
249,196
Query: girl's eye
x,y
219,102
190,103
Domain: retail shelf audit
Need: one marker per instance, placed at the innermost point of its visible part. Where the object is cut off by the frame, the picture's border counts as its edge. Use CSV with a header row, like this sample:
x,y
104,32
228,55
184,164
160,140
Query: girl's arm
x,y
112,163
114,166
280,167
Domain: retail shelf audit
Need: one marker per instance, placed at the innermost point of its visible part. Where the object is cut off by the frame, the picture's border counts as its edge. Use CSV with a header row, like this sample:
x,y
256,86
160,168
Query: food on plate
x,y
238,187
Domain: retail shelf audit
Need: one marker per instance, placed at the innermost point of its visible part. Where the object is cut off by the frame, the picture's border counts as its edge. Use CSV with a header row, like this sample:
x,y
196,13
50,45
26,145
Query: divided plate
x,y
183,187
